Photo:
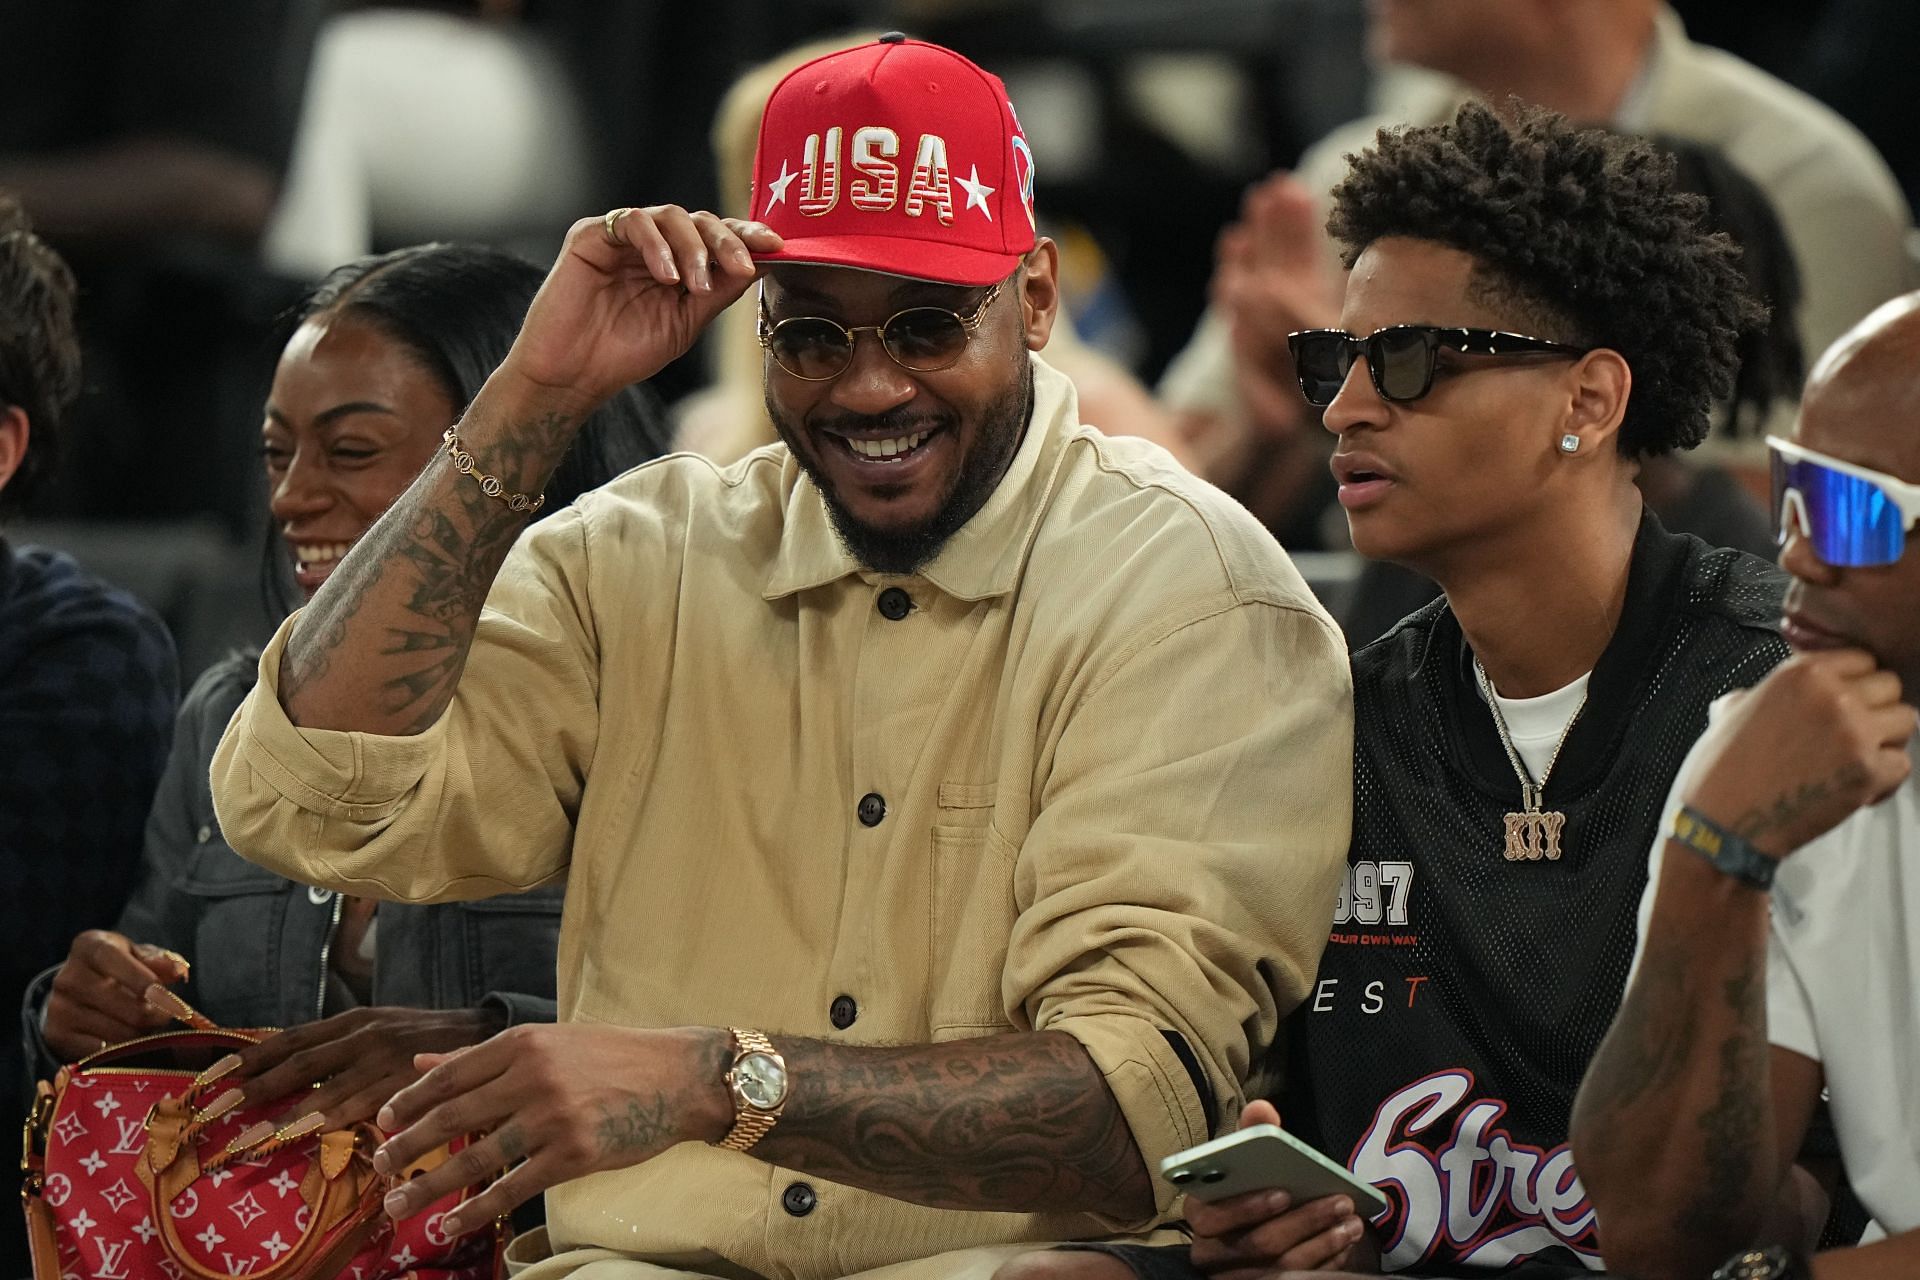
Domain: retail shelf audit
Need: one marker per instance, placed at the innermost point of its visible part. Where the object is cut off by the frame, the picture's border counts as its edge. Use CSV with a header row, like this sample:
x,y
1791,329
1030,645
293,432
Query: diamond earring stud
x,y
1569,443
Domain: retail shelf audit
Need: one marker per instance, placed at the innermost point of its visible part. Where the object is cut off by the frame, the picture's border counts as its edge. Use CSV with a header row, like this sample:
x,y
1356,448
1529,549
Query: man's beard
x,y
903,551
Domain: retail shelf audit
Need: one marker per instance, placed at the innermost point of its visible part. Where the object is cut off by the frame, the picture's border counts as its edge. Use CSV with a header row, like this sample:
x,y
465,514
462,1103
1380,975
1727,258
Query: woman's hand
x,y
1263,1234
98,996
343,1068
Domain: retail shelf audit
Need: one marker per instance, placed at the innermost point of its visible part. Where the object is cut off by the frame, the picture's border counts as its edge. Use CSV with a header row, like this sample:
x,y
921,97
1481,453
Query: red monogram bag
x,y
122,1185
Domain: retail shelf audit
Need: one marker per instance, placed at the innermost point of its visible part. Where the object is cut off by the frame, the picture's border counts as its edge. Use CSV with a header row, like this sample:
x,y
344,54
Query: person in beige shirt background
x,y
952,798
1628,64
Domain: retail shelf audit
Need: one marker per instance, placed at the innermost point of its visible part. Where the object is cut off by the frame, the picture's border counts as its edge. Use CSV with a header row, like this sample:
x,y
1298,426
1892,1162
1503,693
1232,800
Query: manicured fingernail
x,y
177,958
220,1106
387,1120
1343,1207
218,1071
396,1204
1278,1202
251,1138
452,1226
1351,1229
310,1123
672,268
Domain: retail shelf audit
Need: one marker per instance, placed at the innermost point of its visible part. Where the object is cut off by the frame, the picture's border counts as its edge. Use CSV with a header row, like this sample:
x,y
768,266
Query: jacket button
x,y
203,836
872,808
895,604
798,1199
843,1013
319,897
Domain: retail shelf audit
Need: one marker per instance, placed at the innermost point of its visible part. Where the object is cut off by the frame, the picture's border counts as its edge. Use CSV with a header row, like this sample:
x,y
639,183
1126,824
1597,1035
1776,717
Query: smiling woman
x,y
383,356
381,359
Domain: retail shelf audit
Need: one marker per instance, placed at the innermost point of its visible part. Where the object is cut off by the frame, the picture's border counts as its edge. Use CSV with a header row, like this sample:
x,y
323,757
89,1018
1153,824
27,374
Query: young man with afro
x,y
1531,310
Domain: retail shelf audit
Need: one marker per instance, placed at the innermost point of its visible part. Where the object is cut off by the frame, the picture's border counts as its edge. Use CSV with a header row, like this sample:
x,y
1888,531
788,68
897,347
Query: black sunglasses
x,y
1401,358
919,339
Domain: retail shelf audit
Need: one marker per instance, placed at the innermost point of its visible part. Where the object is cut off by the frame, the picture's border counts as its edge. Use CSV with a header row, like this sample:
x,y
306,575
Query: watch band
x,y
750,1123
1773,1263
1725,850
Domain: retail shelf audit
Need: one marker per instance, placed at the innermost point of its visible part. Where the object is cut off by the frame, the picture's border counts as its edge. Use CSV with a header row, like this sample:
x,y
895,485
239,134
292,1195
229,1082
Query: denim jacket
x,y
259,944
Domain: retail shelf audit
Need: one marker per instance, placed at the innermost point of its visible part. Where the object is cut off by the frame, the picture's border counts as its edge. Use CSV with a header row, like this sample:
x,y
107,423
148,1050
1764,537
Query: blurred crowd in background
x,y
201,163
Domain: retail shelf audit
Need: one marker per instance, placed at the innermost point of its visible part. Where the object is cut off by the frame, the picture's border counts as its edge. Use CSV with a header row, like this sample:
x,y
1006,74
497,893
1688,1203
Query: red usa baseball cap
x,y
897,156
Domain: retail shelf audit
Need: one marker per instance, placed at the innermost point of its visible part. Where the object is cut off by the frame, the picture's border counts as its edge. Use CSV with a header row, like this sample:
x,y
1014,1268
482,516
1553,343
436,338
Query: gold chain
x,y
490,485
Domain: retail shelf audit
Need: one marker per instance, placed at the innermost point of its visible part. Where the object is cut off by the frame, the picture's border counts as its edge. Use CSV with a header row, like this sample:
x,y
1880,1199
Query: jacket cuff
x,y
517,1008
40,1059
1156,1096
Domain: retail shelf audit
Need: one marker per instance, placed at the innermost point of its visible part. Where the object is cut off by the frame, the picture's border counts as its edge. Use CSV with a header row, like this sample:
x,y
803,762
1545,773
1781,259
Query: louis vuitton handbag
x,y
121,1183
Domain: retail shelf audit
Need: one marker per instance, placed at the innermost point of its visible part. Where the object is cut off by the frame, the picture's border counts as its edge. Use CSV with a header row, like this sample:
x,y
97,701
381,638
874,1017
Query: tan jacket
x,y
1097,780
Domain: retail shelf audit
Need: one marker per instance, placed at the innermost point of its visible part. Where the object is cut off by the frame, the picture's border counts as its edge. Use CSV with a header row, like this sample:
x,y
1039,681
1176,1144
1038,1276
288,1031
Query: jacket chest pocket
x,y
973,910
242,938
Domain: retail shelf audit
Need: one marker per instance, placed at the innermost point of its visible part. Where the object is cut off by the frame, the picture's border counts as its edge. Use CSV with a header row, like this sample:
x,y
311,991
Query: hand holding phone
x,y
1303,1214
1265,1157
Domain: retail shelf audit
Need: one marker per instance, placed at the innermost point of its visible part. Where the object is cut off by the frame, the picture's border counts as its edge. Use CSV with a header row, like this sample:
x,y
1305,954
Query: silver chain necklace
x,y
1531,834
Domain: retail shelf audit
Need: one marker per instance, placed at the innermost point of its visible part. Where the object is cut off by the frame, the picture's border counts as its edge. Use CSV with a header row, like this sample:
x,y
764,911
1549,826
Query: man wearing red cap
x,y
951,797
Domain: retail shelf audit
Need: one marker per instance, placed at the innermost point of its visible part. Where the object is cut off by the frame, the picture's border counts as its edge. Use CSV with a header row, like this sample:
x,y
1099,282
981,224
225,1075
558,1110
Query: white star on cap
x,y
977,191
779,186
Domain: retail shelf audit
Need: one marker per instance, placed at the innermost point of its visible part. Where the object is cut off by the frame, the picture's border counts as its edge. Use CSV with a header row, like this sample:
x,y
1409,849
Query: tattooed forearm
x,y
1015,1122
381,647
1647,1048
1735,1139
1673,1129
1783,812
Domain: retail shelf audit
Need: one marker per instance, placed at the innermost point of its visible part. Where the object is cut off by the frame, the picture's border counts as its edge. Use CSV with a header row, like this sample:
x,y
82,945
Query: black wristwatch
x,y
1773,1263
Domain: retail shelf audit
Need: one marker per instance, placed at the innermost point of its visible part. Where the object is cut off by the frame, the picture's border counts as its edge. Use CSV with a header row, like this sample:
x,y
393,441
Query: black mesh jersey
x,y
1461,995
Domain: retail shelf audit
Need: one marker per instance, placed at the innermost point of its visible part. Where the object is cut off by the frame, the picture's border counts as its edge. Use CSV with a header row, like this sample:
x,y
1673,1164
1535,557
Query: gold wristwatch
x,y
758,1082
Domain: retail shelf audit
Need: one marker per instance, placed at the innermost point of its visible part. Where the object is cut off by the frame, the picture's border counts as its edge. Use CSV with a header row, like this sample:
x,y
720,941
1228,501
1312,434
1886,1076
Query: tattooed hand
x,y
1823,735
556,1103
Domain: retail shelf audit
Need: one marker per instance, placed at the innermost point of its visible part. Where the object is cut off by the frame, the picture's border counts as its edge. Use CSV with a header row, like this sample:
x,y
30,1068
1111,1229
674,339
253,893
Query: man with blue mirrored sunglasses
x,y
1778,940
1854,517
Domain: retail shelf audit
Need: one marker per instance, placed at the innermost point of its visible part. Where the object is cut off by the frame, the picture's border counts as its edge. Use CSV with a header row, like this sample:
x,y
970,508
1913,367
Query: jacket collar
x,y
983,559
1656,581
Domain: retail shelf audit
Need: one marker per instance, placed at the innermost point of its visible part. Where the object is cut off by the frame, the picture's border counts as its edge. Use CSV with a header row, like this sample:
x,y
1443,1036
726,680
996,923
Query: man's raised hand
x,y
631,292
1823,735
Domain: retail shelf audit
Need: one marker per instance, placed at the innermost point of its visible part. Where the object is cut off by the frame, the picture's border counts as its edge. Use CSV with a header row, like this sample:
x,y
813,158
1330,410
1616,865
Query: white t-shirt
x,y
1535,724
1843,982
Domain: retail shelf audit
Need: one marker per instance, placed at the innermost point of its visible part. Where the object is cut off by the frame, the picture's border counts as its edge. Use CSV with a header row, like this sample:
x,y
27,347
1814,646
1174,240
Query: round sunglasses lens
x,y
925,338
1322,362
1402,363
810,348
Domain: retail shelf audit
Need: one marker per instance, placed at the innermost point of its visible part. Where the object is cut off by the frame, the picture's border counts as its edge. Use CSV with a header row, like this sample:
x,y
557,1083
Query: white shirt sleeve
x,y
1789,1010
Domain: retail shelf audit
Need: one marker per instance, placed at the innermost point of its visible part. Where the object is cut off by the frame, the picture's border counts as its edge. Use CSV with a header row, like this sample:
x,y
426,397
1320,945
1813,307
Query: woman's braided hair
x,y
1584,236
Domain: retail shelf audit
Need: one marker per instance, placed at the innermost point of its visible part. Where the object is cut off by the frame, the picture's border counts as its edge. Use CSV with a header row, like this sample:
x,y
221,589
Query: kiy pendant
x,y
1533,834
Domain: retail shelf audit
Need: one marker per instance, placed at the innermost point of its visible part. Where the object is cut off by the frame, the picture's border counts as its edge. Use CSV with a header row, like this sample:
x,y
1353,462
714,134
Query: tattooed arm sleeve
x,y
1021,1122
382,646
1688,1119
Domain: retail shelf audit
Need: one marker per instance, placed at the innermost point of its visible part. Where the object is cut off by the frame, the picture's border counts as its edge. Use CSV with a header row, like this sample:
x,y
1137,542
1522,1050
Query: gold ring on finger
x,y
611,224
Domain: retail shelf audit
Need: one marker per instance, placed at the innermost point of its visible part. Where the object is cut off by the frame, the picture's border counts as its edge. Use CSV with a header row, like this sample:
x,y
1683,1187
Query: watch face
x,y
761,1080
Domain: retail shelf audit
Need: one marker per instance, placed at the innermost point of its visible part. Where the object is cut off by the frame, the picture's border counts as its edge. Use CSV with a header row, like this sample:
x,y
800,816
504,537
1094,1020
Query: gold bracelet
x,y
490,485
